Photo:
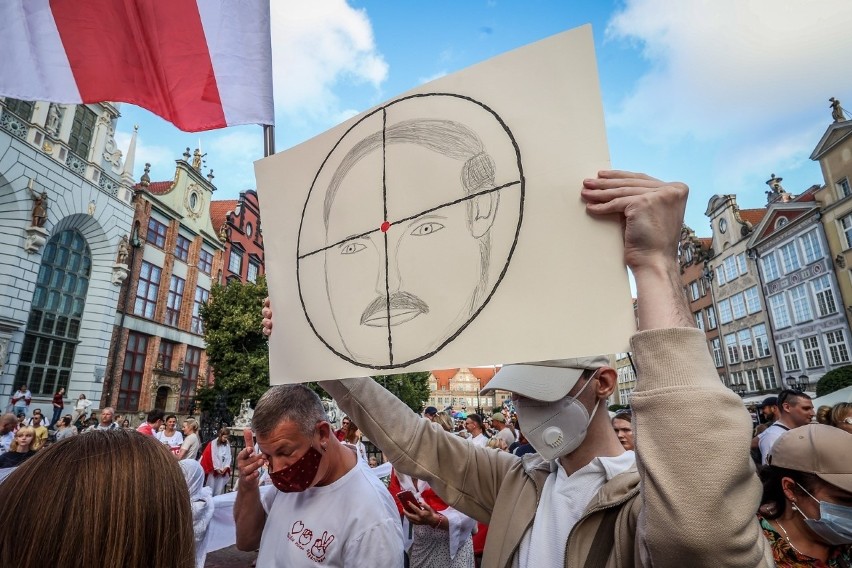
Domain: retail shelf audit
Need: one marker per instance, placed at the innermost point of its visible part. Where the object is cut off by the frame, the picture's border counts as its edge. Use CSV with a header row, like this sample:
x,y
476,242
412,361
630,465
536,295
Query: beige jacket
x,y
699,489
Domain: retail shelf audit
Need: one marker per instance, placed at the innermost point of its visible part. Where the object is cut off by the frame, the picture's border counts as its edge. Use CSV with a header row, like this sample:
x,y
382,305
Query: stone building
x,y
157,358
65,195
459,389
743,325
809,327
237,222
626,380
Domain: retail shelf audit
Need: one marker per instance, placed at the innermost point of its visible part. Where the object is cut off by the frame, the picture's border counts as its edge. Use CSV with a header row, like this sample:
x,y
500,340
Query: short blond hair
x,y
13,447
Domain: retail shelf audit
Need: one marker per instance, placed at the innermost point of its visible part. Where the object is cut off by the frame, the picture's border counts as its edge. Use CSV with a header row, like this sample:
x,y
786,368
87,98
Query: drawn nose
x,y
389,279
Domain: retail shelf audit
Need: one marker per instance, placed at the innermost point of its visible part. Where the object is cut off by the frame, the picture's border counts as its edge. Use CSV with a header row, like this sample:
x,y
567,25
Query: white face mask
x,y
555,428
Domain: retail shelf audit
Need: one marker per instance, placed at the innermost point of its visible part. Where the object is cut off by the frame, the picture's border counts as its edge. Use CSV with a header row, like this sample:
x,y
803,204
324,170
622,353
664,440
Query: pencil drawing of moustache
x,y
399,308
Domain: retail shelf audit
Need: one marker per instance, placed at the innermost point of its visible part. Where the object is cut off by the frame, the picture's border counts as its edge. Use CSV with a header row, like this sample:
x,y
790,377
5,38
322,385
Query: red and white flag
x,y
200,64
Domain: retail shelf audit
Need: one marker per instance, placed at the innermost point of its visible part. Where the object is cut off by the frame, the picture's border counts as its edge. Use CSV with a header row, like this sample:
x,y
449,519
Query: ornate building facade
x,y
237,222
458,389
157,358
65,192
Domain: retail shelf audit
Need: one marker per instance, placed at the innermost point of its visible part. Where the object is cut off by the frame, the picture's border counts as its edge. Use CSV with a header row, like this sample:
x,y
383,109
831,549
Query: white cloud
x,y
160,157
231,154
437,75
315,45
752,77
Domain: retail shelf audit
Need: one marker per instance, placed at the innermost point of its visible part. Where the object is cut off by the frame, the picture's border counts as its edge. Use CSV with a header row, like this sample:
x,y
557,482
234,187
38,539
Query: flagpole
x,y
268,140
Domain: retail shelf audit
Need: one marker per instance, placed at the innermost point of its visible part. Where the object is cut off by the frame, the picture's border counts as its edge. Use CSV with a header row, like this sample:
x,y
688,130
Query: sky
x,y
719,94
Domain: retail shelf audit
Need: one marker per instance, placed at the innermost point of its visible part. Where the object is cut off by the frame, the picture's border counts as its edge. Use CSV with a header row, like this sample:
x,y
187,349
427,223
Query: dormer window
x,y
781,222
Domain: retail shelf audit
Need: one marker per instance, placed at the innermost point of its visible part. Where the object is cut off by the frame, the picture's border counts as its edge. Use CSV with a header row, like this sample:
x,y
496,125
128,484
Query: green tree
x,y
237,350
410,388
834,380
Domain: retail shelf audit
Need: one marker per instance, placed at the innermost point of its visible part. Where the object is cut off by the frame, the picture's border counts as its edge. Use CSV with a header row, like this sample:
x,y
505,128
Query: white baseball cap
x,y
544,380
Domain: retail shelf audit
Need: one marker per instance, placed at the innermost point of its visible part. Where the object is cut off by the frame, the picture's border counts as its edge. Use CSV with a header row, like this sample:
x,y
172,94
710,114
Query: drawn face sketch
x,y
409,276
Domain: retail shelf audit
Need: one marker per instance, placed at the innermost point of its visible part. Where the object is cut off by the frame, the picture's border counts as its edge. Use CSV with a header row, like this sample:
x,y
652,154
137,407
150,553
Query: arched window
x,y
55,314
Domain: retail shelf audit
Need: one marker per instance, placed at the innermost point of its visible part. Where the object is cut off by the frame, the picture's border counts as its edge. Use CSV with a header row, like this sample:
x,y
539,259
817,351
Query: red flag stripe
x,y
149,53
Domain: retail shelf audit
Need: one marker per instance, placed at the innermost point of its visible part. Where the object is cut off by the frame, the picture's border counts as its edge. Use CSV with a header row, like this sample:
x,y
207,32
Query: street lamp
x,y
739,388
797,383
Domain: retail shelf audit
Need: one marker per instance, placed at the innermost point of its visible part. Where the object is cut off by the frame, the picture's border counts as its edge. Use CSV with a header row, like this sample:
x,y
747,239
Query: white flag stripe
x,y
34,65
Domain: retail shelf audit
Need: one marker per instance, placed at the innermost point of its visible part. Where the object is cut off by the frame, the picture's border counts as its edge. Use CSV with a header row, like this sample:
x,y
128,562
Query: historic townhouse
x,y
157,358
65,194
237,222
693,256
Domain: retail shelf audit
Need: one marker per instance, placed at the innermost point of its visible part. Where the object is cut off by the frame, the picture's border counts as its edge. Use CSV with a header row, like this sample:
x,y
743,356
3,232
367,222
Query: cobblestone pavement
x,y
230,558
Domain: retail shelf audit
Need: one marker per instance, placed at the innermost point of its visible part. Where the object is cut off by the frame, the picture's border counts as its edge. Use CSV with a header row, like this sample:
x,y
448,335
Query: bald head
x,y
8,422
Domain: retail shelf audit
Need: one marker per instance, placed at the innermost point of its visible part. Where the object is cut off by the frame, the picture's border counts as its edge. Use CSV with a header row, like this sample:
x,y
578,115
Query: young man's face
x,y
800,410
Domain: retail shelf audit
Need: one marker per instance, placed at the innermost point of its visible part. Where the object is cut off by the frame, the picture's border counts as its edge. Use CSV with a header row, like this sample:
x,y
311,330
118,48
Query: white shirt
x,y
480,440
352,522
563,501
767,438
6,441
174,442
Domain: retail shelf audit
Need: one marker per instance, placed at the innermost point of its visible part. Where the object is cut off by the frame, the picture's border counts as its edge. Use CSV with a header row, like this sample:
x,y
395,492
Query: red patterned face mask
x,y
298,476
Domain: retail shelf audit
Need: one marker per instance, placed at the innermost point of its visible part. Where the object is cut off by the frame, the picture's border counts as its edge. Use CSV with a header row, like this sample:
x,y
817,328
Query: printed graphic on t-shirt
x,y
301,537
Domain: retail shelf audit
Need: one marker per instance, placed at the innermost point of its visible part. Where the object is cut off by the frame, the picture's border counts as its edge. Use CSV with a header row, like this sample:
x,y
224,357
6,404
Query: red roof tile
x,y
484,374
706,242
219,211
155,187
753,216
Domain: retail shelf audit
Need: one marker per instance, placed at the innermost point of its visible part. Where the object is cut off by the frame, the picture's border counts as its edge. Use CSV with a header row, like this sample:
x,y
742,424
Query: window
x,y
780,313
738,306
253,269
711,318
824,296
801,304
837,350
694,290
731,347
192,364
716,349
182,248
23,109
720,275
201,297
736,378
725,312
53,328
813,355
205,261
843,189
699,320
147,290
742,266
165,358
81,131
769,381
730,268
752,300
846,225
761,341
811,246
744,337
791,357
235,262
752,380
156,234
723,378
770,267
133,371
790,258
175,300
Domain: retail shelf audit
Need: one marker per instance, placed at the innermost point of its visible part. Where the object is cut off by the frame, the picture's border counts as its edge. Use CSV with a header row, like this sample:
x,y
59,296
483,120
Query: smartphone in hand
x,y
407,497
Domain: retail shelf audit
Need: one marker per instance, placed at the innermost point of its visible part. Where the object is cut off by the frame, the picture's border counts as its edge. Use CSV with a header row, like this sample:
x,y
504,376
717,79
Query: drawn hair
x,y
296,403
98,473
452,139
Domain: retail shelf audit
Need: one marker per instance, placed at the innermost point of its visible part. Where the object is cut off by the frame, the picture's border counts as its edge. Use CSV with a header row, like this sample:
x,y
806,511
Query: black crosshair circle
x,y
518,183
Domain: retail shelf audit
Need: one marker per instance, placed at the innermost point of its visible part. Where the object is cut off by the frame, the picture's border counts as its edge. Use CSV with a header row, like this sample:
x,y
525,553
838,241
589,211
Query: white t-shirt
x,y
352,522
563,501
173,443
481,440
767,438
6,441
191,443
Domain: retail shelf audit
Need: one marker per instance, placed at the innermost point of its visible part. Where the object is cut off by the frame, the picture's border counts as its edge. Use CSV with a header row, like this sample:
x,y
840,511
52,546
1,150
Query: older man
x,y
329,508
105,421
7,431
578,503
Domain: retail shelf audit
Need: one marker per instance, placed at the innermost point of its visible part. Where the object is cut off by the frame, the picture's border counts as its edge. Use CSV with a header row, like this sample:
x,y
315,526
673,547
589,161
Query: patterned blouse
x,y
786,557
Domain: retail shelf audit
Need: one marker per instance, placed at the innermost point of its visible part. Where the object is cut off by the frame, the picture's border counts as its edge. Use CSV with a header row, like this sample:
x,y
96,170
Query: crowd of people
x,y
579,488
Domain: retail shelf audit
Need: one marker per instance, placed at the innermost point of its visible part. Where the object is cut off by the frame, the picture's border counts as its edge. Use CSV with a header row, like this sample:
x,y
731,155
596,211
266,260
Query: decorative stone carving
x,y
111,152
54,119
123,250
36,237
119,273
39,212
243,420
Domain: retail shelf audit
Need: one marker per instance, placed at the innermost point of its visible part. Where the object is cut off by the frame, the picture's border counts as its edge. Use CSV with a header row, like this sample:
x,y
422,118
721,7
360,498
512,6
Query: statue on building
x,y
776,191
123,250
223,233
54,118
39,213
196,159
836,110
92,207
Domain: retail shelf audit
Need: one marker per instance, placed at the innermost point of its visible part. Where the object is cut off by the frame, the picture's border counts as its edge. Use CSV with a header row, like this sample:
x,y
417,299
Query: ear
x,y
324,430
607,381
482,210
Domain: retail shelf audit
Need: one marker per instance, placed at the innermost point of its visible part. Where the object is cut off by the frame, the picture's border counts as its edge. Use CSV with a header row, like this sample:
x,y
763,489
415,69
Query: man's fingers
x,y
249,438
624,174
603,195
266,302
617,205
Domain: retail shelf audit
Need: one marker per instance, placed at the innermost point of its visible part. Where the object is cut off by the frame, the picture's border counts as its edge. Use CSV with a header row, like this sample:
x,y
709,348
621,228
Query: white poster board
x,y
444,228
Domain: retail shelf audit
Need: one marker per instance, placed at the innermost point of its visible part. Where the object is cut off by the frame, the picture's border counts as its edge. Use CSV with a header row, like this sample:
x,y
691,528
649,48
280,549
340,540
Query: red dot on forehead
x,y
385,226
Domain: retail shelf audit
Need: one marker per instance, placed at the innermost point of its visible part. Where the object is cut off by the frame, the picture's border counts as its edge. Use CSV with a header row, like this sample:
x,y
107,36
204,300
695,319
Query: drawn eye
x,y
352,248
426,229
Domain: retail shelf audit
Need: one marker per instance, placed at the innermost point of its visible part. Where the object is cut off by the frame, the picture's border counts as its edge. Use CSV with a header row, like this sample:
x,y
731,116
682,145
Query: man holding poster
x,y
577,501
